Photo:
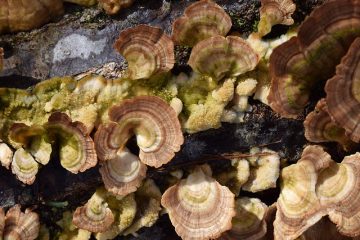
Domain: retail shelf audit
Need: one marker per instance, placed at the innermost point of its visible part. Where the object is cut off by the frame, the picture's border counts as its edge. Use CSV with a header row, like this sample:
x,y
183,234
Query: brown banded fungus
x,y
338,190
220,57
298,64
24,166
274,12
114,6
86,3
20,225
95,216
344,105
152,120
18,15
33,139
298,206
148,51
199,207
77,150
249,222
319,127
123,174
2,221
201,20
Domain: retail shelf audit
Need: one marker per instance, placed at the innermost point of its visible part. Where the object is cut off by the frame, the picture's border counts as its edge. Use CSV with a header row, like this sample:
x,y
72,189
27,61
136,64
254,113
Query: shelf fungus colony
x,y
131,128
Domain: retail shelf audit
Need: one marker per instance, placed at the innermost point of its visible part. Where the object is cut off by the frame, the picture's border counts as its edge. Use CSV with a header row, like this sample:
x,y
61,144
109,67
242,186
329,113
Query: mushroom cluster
x,y
317,186
300,63
107,216
16,224
33,146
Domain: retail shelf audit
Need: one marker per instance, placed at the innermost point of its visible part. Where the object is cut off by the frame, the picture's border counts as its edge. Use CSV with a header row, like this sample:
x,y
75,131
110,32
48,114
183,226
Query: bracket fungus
x,y
24,166
249,222
220,57
319,127
298,64
77,150
123,174
201,20
338,190
343,106
199,207
274,12
114,6
298,206
19,225
152,120
95,215
147,49
17,15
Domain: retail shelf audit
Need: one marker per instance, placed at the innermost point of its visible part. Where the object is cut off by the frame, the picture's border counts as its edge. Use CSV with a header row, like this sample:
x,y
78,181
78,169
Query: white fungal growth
x,y
77,46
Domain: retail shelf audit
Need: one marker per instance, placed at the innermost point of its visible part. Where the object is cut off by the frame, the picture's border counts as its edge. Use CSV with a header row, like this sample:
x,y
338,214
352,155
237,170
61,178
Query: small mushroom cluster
x,y
317,186
34,146
107,216
296,66
16,224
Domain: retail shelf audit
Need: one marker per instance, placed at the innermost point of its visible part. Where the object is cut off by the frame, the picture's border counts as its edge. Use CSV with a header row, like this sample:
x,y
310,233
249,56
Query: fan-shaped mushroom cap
x,y
298,64
123,174
77,150
249,222
147,49
6,155
201,20
17,15
20,225
199,207
95,215
264,172
114,6
219,57
124,211
338,189
298,207
344,105
319,127
34,139
24,166
152,120
274,12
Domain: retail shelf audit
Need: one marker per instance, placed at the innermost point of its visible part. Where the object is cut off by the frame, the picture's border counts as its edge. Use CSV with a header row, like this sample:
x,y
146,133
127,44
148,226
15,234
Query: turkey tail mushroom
x,y
220,57
298,64
298,206
147,49
344,105
199,207
152,120
201,20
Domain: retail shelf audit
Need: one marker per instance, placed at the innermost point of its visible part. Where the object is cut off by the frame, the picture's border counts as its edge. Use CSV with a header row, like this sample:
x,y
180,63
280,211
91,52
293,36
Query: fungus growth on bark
x,y
201,20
